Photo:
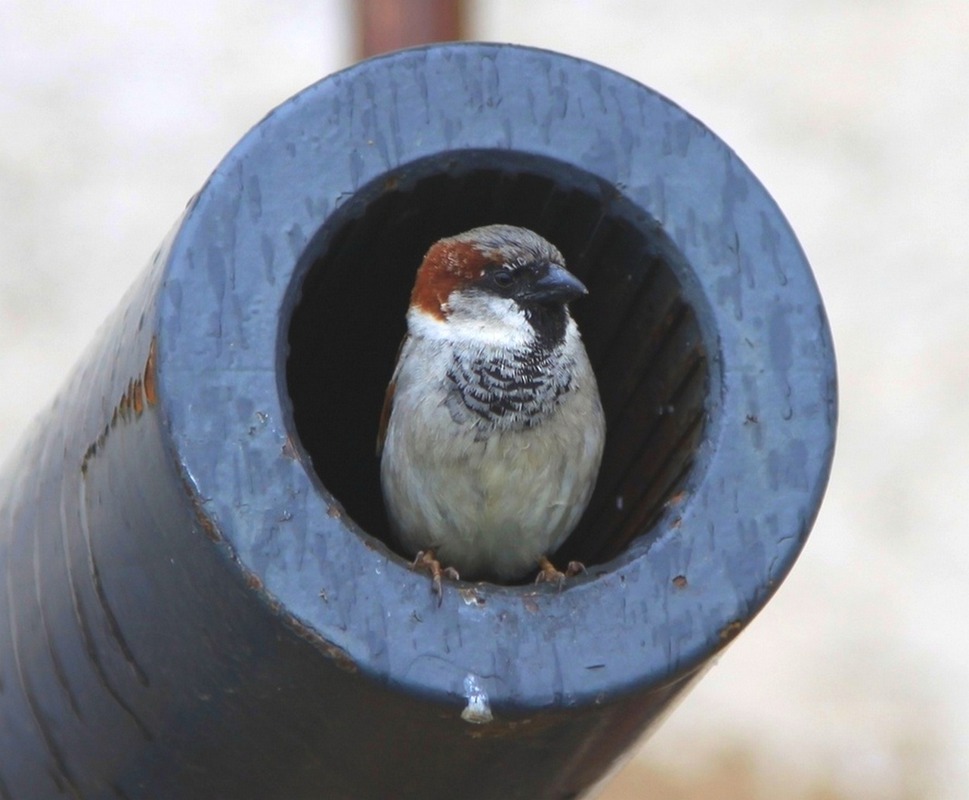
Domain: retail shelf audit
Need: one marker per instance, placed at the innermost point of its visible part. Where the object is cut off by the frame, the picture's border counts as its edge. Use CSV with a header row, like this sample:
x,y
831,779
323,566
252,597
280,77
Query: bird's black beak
x,y
558,285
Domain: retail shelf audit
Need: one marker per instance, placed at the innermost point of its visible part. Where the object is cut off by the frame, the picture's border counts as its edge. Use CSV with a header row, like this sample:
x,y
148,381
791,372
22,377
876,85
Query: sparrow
x,y
492,429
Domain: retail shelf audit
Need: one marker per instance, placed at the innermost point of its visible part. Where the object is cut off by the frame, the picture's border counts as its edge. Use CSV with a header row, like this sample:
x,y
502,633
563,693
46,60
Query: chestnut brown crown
x,y
502,260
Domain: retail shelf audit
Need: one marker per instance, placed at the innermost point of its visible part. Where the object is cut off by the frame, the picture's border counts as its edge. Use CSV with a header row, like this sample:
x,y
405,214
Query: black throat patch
x,y
548,322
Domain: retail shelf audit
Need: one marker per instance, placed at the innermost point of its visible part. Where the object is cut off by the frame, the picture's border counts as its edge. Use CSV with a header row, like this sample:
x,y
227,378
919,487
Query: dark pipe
x,y
200,598
385,25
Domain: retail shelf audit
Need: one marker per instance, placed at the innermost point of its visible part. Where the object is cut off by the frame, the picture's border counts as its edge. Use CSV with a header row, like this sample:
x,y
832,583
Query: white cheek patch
x,y
477,319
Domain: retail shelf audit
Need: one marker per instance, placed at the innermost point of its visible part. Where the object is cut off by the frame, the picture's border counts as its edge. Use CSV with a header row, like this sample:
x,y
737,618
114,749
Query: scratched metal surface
x,y
188,611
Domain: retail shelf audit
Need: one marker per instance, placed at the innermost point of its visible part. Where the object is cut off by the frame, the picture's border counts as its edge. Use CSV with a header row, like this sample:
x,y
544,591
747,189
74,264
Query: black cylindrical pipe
x,y
201,598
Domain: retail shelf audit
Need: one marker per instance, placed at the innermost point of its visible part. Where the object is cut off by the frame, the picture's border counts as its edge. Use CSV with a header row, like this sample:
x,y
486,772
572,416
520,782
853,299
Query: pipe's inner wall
x,y
641,333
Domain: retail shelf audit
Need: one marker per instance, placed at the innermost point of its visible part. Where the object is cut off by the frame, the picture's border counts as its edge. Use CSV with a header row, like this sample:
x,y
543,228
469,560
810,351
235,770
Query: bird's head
x,y
498,285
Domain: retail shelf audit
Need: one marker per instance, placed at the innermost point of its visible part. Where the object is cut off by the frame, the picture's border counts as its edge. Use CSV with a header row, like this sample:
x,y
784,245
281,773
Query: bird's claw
x,y
426,560
547,573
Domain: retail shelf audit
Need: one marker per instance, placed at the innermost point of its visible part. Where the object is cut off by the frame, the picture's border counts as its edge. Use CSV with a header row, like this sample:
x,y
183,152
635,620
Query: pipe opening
x,y
642,335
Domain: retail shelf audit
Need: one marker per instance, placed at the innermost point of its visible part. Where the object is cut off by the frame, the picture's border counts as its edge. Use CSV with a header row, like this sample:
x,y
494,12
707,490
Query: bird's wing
x,y
389,401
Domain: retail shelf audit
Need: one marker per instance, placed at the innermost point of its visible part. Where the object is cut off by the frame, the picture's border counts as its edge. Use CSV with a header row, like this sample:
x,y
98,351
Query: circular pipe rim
x,y
761,469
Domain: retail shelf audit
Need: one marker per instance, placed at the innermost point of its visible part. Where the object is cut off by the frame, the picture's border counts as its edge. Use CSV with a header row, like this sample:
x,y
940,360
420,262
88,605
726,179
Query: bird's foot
x,y
547,573
427,561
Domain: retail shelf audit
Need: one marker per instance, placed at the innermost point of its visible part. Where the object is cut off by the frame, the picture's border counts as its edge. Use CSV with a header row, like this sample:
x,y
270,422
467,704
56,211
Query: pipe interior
x,y
641,333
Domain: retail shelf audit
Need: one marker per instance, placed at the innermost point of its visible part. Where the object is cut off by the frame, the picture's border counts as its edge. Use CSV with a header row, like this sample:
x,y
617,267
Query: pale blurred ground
x,y
855,115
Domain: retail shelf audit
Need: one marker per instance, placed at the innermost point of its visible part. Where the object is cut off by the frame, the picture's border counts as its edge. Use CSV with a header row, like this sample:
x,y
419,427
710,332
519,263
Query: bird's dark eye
x,y
503,278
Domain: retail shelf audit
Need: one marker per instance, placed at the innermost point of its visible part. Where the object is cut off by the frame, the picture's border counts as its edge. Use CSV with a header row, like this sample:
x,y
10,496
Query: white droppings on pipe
x,y
478,709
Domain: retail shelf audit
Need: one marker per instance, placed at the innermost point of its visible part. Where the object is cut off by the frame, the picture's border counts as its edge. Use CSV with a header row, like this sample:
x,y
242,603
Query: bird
x,y
492,428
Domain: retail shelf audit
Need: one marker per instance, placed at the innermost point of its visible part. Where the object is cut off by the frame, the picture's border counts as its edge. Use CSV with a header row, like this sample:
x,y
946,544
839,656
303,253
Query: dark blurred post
x,y
385,25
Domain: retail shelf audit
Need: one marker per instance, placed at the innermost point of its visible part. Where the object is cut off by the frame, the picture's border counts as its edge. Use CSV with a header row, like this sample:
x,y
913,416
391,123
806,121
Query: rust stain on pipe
x,y
139,393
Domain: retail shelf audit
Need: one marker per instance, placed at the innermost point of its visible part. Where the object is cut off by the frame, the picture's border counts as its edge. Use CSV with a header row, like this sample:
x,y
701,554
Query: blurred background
x,y
853,113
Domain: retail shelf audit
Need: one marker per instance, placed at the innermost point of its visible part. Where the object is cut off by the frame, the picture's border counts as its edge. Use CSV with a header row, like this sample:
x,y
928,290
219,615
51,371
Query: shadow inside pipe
x,y
351,293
